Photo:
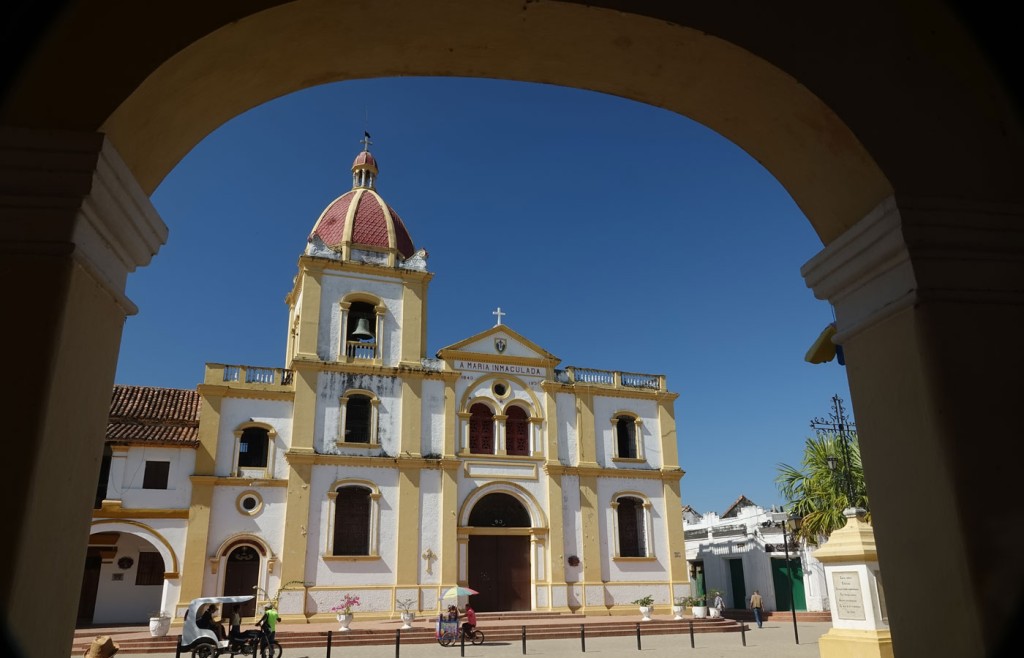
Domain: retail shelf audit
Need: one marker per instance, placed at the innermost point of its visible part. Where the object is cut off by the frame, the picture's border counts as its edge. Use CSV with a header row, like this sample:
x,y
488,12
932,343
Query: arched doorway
x,y
123,579
499,554
242,576
953,91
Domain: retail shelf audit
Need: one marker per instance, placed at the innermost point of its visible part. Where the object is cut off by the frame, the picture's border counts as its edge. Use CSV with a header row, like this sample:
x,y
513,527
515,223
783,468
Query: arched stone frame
x,y
500,408
374,350
268,559
538,530
533,421
373,531
467,415
172,567
343,418
268,470
648,525
638,436
831,174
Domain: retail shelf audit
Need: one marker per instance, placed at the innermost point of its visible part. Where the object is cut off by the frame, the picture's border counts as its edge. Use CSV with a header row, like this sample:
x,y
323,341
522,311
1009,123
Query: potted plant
x,y
344,610
407,614
159,623
698,606
645,603
678,604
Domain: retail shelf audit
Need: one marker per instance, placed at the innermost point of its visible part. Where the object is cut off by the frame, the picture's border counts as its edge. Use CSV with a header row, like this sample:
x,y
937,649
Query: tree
x,y
817,491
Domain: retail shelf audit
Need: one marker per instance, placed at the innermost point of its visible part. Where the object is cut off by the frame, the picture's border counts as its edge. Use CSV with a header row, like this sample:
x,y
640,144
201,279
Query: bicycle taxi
x,y
203,642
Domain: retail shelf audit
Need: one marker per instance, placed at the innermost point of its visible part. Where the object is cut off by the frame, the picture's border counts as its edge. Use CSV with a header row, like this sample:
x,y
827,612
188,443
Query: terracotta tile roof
x,y
734,509
369,223
331,225
147,414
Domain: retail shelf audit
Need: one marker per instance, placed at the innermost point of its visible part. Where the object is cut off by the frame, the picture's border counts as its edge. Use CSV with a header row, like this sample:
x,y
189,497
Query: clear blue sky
x,y
614,234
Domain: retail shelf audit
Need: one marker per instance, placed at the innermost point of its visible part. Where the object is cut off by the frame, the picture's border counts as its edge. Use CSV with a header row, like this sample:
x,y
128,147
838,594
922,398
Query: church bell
x,y
362,330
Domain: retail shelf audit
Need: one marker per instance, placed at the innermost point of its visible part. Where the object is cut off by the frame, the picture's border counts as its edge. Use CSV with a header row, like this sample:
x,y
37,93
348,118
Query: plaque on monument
x,y
849,601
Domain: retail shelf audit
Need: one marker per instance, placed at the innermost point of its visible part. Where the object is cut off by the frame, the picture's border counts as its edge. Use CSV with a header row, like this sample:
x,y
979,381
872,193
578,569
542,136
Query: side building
x,y
362,466
744,549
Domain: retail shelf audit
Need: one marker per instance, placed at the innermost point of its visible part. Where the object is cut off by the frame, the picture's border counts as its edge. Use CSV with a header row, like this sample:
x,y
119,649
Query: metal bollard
x,y
743,633
583,638
462,642
398,640
330,635
692,645
177,649
638,648
524,640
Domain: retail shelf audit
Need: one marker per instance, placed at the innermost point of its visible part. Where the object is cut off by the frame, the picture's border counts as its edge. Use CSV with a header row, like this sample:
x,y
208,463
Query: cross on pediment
x,y
499,314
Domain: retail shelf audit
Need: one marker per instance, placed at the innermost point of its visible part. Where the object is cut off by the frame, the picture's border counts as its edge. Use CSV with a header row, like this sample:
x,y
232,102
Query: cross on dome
x,y
365,141
499,314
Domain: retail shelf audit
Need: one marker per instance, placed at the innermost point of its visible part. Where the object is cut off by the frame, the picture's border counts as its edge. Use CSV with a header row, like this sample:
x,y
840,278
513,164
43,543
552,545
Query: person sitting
x,y
453,613
470,623
207,622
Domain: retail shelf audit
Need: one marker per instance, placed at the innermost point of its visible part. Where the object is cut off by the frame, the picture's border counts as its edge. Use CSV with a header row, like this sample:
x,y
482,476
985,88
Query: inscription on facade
x,y
503,368
849,595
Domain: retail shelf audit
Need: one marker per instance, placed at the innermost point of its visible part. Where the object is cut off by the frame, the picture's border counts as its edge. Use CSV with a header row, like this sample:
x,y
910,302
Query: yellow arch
x,y
142,531
264,547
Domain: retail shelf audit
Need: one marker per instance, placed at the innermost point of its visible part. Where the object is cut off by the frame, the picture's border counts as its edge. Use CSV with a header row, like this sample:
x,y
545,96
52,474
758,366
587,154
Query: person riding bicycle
x,y
470,623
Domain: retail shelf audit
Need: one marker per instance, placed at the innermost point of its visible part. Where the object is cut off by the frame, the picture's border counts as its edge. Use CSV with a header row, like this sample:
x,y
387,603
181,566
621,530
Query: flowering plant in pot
x,y
344,610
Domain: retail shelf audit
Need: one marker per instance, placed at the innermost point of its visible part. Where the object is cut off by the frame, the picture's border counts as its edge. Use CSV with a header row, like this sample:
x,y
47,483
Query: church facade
x,y
365,467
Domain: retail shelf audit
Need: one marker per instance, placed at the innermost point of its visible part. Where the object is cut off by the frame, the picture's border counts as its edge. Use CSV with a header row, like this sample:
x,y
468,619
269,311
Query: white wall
x,y
331,386
128,487
605,407
236,412
334,287
122,601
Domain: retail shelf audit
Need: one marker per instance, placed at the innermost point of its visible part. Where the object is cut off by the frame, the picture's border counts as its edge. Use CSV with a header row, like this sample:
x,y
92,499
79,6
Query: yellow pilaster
x,y
449,523
293,552
585,429
300,461
677,572
589,509
309,312
414,321
209,430
407,572
667,424
194,564
412,410
451,423
556,532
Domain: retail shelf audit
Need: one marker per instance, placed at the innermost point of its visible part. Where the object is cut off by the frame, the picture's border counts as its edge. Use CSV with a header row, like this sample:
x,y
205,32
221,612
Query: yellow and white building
x,y
364,467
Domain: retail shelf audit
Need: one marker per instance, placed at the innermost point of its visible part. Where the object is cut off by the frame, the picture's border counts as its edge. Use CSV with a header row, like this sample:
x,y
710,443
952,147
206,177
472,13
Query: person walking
x,y
756,604
719,603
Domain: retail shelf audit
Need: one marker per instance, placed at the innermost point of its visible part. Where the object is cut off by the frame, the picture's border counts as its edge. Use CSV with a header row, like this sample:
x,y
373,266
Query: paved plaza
x,y
775,640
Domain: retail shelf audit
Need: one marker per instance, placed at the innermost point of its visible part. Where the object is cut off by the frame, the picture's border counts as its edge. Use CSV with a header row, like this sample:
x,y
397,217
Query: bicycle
x,y
449,633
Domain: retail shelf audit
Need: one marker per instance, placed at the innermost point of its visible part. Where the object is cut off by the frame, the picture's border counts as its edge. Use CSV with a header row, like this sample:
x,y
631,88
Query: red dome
x,y
361,218
365,160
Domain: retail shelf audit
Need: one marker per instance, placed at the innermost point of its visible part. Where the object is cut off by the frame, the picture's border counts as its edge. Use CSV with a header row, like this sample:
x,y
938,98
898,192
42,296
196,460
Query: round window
x,y
249,502
500,389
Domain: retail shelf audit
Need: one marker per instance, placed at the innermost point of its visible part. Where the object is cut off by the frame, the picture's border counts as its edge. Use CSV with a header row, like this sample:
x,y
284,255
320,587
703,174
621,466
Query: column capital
x,y
909,251
87,196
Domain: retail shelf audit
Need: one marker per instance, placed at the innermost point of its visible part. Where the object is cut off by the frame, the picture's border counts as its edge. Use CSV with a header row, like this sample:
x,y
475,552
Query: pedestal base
x,y
845,643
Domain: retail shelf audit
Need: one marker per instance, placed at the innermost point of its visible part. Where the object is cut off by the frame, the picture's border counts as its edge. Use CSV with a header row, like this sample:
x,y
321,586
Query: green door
x,y
739,587
783,585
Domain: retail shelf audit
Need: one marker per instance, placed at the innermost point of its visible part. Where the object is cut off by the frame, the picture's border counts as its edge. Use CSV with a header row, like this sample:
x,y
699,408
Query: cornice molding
x,y
909,251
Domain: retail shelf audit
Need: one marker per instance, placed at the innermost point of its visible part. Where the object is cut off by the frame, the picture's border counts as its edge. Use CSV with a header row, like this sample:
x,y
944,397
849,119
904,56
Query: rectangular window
x,y
156,474
150,570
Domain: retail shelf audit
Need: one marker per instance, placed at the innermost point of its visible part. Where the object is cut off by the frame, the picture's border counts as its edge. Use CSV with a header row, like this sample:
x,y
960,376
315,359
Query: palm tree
x,y
817,491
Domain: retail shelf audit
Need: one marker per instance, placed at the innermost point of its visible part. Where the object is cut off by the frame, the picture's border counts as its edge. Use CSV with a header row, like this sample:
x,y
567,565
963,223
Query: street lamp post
x,y
792,521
